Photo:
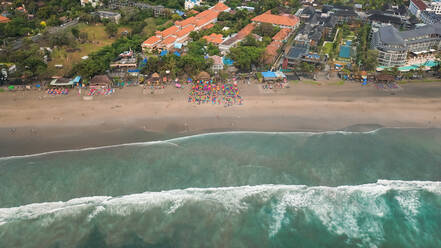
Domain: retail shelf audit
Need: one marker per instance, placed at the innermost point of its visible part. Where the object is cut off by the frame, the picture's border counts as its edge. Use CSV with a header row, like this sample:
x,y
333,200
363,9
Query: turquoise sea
x,y
235,189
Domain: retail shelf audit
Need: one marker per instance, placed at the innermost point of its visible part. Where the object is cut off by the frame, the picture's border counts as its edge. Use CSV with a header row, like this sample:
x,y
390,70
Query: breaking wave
x,y
388,213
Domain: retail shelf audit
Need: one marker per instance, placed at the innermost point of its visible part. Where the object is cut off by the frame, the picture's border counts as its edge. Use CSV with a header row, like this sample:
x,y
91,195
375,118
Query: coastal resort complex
x,y
178,34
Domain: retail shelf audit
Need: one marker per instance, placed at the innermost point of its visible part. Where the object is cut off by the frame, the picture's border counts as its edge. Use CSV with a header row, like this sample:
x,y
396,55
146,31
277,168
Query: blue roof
x,y
268,74
163,53
133,70
177,54
345,52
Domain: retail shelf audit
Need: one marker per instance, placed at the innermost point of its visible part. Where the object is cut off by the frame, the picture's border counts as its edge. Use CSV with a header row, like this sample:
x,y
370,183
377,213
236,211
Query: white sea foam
x,y
338,208
172,141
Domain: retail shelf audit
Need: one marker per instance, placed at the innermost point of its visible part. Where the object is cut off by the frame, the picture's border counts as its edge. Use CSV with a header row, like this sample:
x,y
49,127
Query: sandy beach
x,y
33,121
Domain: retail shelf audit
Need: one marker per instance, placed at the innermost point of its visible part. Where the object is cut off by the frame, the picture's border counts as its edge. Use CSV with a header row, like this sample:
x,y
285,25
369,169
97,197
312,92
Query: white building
x,y
189,4
94,3
436,7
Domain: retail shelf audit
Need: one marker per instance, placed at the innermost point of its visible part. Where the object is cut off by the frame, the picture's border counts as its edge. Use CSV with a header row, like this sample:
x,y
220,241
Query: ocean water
x,y
236,189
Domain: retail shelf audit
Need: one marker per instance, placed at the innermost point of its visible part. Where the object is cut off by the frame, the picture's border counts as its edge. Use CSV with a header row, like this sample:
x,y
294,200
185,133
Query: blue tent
x,y
177,54
133,70
345,52
163,53
269,74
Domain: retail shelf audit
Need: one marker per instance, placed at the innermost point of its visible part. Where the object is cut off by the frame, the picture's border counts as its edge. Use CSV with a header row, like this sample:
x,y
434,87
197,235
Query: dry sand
x,y
33,122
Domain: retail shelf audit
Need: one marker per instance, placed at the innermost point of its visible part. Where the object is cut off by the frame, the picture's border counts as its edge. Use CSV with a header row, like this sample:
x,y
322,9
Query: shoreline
x,y
31,122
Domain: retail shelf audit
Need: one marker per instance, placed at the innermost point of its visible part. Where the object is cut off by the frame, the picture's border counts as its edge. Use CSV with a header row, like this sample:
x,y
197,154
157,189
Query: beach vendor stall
x,y
62,82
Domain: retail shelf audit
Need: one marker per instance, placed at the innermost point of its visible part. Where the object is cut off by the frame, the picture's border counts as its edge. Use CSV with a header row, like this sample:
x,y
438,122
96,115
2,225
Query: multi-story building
x,y
189,4
112,16
416,7
435,6
282,21
430,17
394,46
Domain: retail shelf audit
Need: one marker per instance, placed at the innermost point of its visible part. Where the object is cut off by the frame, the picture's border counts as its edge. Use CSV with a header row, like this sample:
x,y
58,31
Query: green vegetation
x,y
191,63
44,13
29,61
98,62
91,39
249,53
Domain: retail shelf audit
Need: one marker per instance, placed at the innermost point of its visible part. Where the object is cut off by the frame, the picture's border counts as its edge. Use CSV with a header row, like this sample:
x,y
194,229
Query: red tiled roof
x,y
188,21
4,19
267,17
169,31
208,26
219,7
420,4
282,34
150,41
185,31
244,32
271,51
169,40
214,38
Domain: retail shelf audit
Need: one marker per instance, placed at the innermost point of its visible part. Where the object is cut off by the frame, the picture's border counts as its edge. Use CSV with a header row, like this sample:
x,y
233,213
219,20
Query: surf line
x,y
171,141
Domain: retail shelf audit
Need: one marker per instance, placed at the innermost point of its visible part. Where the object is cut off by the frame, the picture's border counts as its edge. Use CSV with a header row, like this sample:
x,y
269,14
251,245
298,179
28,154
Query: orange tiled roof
x,y
185,31
282,34
219,7
208,26
169,40
214,38
271,51
188,21
244,32
150,41
169,31
4,19
267,17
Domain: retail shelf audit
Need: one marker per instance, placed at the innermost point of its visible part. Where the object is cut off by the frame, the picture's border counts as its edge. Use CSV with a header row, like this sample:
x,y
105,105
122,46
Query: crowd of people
x,y
58,91
208,91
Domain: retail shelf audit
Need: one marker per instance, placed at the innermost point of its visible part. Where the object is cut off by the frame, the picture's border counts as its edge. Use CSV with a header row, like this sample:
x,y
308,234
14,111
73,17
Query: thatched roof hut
x,y
101,81
204,75
385,78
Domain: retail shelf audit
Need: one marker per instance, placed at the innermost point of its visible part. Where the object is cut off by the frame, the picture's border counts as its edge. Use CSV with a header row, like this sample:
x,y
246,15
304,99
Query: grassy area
x,y
98,38
327,47
311,82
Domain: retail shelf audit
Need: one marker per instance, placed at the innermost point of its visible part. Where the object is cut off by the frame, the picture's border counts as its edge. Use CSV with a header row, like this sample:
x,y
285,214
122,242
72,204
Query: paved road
x,y
52,30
